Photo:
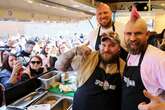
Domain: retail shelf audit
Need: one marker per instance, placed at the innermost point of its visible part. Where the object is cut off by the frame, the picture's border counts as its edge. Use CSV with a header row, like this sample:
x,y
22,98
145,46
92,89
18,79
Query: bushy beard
x,y
140,47
107,58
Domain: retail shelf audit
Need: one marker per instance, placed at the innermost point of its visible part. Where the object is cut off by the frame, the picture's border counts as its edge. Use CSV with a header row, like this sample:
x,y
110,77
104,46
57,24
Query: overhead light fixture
x,y
29,1
162,4
93,11
53,7
145,8
76,6
64,9
47,5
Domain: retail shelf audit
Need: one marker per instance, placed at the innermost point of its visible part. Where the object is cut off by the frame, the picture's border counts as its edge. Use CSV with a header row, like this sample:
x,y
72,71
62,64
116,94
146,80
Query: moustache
x,y
133,42
107,53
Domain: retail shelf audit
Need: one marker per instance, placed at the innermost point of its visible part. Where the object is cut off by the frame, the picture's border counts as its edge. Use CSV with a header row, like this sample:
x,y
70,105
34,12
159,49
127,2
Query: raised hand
x,y
83,50
156,103
16,68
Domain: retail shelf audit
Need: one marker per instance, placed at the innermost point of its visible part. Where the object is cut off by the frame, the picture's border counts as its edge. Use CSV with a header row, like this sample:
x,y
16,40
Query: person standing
x,y
144,67
99,74
104,19
24,55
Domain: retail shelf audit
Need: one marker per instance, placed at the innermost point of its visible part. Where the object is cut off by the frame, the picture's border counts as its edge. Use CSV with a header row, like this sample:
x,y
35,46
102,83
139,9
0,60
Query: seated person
x,y
11,71
34,68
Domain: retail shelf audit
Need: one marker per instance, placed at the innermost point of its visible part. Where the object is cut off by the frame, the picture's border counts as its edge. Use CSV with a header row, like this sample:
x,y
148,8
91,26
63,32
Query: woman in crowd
x,y
3,54
44,55
11,71
34,68
48,55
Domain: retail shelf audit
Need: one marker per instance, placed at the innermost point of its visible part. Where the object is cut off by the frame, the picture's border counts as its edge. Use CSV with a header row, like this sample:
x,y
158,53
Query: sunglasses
x,y
33,62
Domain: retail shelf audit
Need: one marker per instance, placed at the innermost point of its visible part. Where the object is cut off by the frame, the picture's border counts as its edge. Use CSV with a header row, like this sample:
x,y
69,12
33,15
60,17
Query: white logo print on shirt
x,y
105,85
129,82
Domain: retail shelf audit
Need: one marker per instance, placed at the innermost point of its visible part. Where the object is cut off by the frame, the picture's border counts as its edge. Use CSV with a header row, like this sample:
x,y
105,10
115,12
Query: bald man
x,y
104,18
145,68
106,25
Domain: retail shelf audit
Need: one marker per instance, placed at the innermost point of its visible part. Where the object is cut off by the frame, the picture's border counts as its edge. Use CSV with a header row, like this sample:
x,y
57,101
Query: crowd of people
x,y
24,64
139,86
22,59
109,76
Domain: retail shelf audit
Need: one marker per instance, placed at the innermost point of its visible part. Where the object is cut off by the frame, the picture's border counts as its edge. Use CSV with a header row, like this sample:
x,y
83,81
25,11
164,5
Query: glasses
x,y
133,33
33,62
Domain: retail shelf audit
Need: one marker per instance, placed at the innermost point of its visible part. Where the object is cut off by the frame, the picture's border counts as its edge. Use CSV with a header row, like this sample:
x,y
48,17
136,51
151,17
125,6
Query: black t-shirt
x,y
34,73
23,53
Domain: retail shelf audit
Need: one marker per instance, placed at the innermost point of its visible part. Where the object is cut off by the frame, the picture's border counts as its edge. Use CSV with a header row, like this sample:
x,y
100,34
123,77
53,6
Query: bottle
x,y
2,98
19,75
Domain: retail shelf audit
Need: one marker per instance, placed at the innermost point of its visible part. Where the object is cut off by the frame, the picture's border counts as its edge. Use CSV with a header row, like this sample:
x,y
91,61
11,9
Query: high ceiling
x,y
58,10
111,1
61,10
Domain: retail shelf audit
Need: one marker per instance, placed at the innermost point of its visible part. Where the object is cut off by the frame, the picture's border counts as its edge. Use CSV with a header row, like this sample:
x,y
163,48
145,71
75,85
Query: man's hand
x,y
155,103
83,50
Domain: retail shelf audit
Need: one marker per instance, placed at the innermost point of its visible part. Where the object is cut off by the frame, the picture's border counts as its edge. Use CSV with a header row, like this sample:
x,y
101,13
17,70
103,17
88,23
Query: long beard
x,y
140,47
106,59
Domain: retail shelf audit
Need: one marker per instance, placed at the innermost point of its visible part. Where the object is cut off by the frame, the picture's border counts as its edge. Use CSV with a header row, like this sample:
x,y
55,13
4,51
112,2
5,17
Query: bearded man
x,y
145,66
99,74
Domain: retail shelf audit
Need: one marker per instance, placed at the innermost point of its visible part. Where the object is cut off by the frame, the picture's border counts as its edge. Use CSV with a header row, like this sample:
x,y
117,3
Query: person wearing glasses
x,y
34,68
145,66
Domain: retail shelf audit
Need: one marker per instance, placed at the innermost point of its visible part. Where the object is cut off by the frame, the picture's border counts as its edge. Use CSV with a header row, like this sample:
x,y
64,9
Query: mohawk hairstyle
x,y
134,13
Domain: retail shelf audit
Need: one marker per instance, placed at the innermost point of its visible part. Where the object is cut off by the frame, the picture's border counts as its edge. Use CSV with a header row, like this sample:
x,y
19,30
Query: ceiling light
x,y
64,9
29,1
76,6
162,4
145,8
47,5
93,11
54,7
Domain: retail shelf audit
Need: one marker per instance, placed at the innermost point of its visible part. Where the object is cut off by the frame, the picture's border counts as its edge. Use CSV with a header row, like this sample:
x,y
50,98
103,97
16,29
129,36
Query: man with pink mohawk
x,y
145,67
134,13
